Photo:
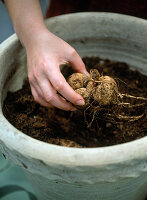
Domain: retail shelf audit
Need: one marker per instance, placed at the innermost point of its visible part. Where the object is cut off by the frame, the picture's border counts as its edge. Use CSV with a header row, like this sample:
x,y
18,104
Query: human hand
x,y
44,55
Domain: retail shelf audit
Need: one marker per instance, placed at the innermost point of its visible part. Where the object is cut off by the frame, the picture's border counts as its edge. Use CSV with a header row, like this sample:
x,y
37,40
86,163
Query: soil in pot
x,y
84,128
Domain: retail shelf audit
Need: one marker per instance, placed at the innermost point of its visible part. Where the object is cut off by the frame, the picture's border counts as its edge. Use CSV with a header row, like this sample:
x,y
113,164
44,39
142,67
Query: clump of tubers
x,y
103,99
101,89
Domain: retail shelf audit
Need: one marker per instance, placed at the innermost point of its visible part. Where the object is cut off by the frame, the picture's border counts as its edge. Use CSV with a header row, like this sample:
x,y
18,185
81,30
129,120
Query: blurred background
x,y
6,27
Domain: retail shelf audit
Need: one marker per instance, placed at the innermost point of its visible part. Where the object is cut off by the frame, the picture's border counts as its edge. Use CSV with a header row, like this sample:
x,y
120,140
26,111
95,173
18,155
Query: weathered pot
x,y
61,173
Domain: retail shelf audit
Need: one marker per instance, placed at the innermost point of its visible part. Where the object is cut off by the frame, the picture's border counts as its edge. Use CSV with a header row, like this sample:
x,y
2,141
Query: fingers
x,y
53,98
45,94
59,83
38,98
46,80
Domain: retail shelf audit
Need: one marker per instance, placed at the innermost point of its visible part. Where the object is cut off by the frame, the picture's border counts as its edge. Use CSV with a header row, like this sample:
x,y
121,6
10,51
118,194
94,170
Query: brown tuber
x,y
78,80
85,94
106,92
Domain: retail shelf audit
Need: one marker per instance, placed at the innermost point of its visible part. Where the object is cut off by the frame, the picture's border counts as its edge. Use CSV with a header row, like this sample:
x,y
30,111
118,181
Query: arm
x,y
45,53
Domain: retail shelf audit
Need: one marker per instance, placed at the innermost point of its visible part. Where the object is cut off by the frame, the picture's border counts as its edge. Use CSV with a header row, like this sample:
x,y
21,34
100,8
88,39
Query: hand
x,y
45,54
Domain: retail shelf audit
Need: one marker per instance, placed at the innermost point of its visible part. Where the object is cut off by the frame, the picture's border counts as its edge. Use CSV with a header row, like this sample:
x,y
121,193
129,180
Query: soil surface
x,y
70,128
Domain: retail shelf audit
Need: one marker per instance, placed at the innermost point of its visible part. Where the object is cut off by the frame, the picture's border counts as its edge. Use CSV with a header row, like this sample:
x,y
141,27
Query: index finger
x,y
77,63
60,84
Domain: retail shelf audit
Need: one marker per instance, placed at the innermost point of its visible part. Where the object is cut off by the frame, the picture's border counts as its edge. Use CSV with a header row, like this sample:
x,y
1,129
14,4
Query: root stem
x,y
133,97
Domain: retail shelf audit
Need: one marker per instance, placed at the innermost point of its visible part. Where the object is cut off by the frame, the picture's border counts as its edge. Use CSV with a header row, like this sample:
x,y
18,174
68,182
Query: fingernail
x,y
80,102
87,74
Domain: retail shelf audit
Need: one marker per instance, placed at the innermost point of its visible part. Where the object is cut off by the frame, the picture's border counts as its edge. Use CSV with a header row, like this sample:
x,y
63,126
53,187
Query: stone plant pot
x,y
62,173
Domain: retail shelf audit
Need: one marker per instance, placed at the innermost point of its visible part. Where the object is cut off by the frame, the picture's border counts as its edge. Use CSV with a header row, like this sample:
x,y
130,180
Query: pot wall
x,y
116,172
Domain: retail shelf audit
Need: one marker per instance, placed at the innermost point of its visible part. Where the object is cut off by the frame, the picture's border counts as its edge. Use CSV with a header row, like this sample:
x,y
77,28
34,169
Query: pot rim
x,y
50,153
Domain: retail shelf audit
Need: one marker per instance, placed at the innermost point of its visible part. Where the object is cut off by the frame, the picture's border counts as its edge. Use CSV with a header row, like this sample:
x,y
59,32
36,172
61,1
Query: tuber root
x,y
101,89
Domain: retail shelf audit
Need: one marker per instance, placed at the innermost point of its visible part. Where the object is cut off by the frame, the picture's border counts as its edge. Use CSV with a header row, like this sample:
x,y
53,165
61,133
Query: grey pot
x,y
61,173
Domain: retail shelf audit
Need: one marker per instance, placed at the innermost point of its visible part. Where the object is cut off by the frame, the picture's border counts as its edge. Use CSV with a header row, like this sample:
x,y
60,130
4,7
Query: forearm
x,y
27,19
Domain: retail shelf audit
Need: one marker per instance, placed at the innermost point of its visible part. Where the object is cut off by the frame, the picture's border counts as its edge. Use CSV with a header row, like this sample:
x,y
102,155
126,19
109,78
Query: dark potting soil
x,y
70,128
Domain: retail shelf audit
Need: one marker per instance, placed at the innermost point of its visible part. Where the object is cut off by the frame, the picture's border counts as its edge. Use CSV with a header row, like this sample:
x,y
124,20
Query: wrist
x,y
32,35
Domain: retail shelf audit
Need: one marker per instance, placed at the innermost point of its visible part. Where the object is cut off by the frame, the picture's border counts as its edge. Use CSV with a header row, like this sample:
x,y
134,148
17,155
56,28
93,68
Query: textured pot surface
x,y
61,173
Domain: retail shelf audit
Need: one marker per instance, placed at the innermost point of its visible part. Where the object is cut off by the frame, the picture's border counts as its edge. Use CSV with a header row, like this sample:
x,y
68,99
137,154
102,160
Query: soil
x,y
70,128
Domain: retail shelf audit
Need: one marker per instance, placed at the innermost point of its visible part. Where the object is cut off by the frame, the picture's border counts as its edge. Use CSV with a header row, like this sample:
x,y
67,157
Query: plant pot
x,y
115,172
